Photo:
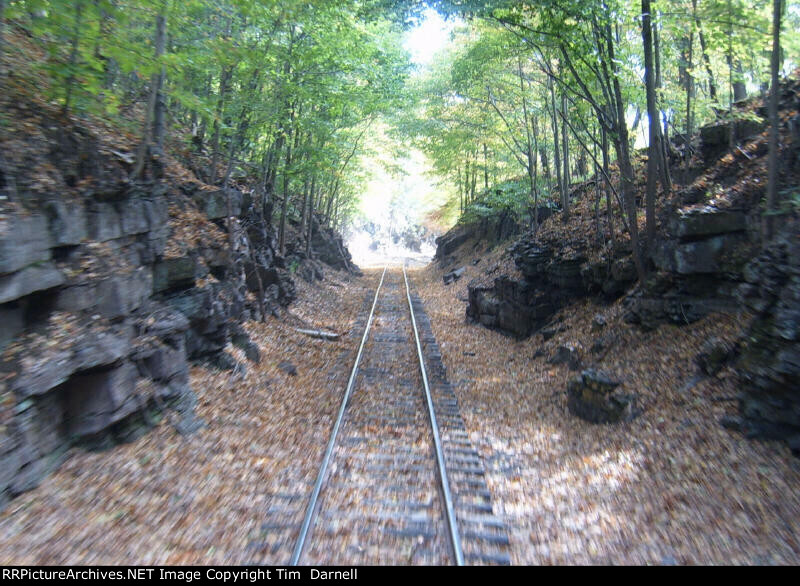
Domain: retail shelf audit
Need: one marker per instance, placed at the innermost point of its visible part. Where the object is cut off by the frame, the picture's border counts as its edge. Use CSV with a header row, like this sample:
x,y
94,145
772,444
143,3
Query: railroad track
x,y
399,482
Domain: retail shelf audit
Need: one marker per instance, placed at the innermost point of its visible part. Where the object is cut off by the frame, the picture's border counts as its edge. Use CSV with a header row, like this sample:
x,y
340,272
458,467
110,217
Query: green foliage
x,y
302,80
246,76
510,196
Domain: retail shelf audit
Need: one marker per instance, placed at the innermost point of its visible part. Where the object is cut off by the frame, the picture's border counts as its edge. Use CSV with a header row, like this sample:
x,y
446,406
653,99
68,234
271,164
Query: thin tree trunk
x,y
663,129
287,164
597,192
304,211
712,86
622,146
653,150
160,108
567,180
739,86
73,55
331,198
690,90
609,205
466,182
556,153
774,121
485,168
2,40
144,147
535,175
458,188
546,166
224,79
474,182
530,153
310,232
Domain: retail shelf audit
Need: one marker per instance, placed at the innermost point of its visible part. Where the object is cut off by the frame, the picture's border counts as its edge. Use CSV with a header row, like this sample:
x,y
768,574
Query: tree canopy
x,y
538,93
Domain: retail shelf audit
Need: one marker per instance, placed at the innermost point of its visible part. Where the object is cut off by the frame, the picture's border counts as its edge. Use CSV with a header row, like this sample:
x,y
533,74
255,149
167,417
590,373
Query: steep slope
x,y
111,287
706,261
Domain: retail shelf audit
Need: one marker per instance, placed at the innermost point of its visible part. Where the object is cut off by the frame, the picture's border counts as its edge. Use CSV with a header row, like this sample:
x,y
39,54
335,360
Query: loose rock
x,y
593,396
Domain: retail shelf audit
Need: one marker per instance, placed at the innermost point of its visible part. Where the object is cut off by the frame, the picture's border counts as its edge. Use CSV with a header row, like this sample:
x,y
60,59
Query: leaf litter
x,y
201,498
671,487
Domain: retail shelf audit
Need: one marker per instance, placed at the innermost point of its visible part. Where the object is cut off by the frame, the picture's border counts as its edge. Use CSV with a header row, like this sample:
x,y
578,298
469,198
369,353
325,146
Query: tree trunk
x,y
460,190
653,150
663,130
535,174
149,117
567,180
774,122
485,168
2,39
622,147
688,79
287,164
530,152
474,182
466,182
310,232
739,85
609,205
308,187
712,86
546,167
224,79
556,153
73,55
159,112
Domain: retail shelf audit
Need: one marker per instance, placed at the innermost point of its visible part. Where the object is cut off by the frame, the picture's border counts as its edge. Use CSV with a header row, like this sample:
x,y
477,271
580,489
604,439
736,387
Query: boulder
x,y
240,339
565,273
714,354
94,347
453,275
704,256
531,259
595,397
165,363
288,368
598,322
568,354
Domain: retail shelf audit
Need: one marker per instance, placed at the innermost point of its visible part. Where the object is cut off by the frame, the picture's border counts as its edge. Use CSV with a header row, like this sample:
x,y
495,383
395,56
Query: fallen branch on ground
x,y
319,334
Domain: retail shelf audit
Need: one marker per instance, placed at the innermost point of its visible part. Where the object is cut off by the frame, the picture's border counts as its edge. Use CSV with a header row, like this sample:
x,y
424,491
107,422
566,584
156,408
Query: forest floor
x,y
201,499
670,487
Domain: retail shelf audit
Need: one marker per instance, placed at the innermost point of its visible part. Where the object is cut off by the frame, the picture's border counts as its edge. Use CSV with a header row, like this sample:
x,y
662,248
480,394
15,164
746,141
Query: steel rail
x,y
452,525
312,504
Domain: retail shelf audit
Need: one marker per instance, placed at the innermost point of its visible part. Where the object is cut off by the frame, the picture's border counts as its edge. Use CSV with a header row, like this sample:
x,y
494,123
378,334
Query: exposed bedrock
x,y
769,363
107,294
551,279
